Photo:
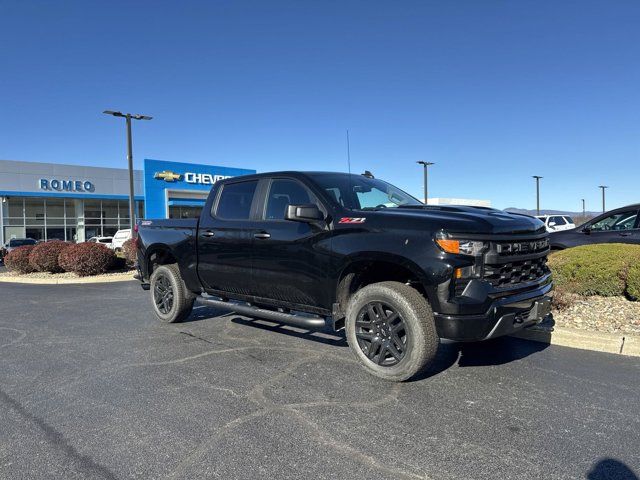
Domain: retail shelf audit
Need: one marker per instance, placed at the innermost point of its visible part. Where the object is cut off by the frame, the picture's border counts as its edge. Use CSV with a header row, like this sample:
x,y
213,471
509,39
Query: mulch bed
x,y
599,314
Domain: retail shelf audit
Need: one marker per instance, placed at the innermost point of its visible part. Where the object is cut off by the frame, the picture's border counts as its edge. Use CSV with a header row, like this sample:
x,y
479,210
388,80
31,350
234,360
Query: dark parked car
x,y
354,252
616,226
15,243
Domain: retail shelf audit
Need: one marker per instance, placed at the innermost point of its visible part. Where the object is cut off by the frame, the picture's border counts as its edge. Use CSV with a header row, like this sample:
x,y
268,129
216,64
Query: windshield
x,y
20,243
357,192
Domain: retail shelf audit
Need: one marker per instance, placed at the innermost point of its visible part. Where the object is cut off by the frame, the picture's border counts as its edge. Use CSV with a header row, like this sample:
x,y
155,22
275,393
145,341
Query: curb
x,y
68,281
618,343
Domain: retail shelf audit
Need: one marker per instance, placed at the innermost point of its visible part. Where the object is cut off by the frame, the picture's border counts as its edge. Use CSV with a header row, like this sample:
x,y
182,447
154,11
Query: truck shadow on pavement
x,y
480,354
609,469
476,354
491,352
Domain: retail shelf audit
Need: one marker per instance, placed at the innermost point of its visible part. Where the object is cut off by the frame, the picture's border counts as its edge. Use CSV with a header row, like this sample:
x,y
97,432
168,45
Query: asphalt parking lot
x,y
92,387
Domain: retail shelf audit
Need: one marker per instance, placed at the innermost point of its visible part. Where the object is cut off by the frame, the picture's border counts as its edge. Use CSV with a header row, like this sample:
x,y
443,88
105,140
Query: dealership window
x,y
34,211
55,221
63,218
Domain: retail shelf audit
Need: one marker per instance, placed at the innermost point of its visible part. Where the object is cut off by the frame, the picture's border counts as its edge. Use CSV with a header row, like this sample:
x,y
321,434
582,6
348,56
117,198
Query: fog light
x,y
467,272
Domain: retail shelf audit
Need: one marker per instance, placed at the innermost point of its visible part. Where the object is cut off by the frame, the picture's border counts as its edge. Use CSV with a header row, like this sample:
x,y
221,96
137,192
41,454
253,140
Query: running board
x,y
301,320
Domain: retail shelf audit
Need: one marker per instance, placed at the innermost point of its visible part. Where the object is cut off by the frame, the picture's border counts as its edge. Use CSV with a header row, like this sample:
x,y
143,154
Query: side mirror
x,y
304,213
586,230
552,224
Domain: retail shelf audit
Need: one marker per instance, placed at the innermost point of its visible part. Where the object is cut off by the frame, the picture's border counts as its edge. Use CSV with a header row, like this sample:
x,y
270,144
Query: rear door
x,y
225,240
290,259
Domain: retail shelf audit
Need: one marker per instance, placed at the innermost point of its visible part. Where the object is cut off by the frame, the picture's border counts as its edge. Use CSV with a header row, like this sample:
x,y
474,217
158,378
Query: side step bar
x,y
303,321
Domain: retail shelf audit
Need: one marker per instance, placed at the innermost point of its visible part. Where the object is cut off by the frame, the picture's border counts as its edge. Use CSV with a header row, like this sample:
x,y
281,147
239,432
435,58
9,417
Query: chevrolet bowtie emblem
x,y
167,176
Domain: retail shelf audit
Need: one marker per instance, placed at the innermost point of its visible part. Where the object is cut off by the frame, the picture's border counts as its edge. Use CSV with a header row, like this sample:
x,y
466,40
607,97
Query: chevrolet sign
x,y
189,177
167,176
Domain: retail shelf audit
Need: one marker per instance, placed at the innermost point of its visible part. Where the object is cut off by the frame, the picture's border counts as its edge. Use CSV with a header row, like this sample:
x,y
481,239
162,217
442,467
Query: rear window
x,y
235,200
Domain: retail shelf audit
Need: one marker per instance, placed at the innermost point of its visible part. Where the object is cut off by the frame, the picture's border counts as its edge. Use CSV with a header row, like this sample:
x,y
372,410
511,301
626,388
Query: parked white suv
x,y
557,223
119,238
104,240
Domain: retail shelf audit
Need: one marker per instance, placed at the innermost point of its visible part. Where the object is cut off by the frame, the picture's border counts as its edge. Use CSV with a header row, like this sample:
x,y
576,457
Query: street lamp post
x,y
128,117
584,212
425,166
537,177
603,187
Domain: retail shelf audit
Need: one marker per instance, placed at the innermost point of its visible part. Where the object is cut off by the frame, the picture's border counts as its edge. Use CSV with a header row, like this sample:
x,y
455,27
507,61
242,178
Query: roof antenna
x,y
350,194
348,153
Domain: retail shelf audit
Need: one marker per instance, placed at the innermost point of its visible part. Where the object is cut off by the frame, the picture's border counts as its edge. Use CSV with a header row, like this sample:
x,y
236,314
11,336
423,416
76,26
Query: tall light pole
x,y
132,202
425,166
537,177
603,187
584,212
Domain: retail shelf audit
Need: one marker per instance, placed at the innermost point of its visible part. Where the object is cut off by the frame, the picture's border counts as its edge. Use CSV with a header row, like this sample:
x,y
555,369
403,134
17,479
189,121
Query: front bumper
x,y
505,316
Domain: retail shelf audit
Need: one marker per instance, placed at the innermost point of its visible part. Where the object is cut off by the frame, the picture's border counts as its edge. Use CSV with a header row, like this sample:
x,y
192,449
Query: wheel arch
x,y
360,270
158,254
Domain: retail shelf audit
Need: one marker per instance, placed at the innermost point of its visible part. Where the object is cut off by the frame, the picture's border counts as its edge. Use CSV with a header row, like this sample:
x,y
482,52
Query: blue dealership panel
x,y
164,182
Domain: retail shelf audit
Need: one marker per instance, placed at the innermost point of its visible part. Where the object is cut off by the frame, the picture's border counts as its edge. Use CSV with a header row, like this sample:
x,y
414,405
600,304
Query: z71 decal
x,y
352,220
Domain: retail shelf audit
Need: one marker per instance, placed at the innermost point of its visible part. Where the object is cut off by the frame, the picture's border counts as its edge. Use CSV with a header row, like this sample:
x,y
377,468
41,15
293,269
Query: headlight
x,y
460,247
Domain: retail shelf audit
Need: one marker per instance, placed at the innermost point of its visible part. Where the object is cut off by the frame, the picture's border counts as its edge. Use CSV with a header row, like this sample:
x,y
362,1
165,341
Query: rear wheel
x,y
171,300
391,331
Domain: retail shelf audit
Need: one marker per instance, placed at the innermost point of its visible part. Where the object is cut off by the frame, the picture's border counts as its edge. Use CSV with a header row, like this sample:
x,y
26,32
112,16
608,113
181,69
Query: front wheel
x,y
171,300
391,330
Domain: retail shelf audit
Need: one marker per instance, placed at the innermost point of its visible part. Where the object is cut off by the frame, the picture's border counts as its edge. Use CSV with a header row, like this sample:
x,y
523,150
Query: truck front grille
x,y
507,275
513,273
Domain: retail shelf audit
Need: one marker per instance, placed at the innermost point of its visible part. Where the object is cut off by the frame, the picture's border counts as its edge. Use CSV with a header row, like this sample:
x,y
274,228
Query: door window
x,y
618,221
285,192
235,200
559,221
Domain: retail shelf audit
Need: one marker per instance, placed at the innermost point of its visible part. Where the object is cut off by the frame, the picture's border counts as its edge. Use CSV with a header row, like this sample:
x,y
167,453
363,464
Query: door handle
x,y
207,233
262,235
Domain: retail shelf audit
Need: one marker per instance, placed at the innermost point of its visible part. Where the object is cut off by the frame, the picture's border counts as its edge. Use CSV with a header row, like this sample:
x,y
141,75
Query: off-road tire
x,y
421,338
182,299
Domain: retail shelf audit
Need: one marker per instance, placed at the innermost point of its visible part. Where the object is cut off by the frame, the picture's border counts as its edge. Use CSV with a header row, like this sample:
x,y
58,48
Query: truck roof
x,y
293,173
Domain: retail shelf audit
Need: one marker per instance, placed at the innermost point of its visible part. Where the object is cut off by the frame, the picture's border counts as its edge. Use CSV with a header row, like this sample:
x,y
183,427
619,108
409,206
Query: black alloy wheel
x,y
163,294
381,334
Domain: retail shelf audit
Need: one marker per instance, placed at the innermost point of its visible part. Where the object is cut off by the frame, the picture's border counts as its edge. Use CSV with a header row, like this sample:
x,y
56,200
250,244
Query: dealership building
x,y
48,201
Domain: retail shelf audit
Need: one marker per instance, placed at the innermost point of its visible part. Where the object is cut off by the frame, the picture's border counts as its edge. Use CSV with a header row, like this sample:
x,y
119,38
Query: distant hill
x,y
533,213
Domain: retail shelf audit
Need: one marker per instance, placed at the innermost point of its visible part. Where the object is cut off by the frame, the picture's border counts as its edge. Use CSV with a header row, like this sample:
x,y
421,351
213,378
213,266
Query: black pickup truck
x,y
319,249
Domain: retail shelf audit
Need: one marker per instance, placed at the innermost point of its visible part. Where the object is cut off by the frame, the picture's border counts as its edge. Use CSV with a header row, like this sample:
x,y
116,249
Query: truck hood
x,y
461,219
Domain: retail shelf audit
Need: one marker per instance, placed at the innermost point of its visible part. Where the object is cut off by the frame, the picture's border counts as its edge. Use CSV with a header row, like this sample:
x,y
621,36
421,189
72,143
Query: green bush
x,y
603,269
633,281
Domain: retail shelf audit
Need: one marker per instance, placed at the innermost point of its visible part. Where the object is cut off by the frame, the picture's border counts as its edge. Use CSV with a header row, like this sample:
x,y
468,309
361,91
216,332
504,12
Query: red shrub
x,y
17,260
130,252
86,259
44,256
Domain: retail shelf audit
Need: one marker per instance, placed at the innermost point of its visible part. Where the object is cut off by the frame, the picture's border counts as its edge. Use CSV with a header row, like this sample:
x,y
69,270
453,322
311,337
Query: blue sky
x,y
492,91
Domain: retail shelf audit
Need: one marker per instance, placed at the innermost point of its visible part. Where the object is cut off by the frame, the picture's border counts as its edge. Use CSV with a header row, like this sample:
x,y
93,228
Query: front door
x,y
619,227
225,240
290,259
